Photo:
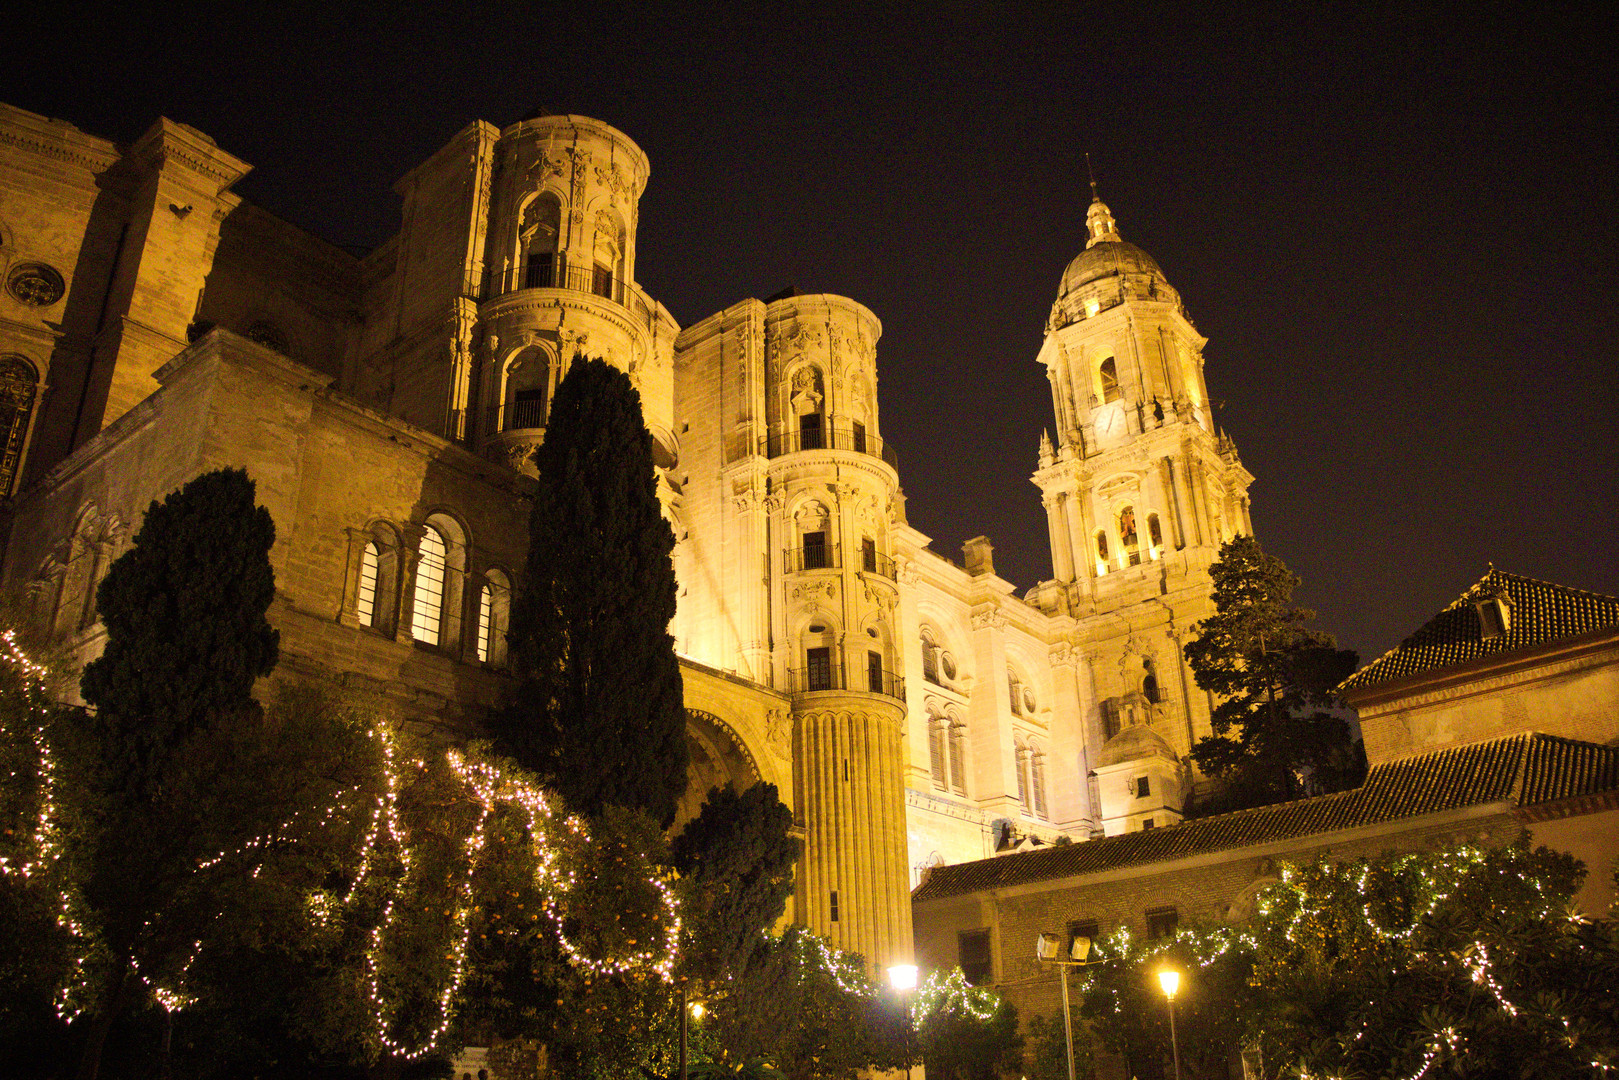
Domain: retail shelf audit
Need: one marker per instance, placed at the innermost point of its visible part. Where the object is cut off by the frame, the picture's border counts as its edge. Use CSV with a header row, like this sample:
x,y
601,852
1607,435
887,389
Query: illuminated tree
x,y
598,712
1275,680
965,1032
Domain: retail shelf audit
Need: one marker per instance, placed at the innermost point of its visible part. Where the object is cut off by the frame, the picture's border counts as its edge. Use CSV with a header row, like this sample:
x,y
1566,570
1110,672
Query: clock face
x,y
1110,421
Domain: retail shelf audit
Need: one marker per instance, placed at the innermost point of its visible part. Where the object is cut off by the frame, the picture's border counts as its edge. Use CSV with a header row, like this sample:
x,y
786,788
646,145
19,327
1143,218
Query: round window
x,y
947,664
1028,700
35,284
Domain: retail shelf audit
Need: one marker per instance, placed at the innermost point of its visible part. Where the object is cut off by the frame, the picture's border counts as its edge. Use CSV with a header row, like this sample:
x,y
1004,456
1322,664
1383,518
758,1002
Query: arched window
x,y
538,235
1127,535
1108,375
370,571
494,618
1101,553
528,381
930,659
1149,682
1022,762
18,385
1021,697
1037,779
427,606
958,755
937,736
1155,536
807,401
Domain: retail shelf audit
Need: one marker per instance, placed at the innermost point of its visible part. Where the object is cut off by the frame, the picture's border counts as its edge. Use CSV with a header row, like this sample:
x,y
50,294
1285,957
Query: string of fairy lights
x,y
386,838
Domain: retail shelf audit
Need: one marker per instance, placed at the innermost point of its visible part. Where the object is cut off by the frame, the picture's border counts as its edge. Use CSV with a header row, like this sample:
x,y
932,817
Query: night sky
x,y
1397,231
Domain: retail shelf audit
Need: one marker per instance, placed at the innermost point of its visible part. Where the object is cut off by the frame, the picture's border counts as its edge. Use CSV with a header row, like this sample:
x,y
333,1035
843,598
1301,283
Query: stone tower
x,y
1140,491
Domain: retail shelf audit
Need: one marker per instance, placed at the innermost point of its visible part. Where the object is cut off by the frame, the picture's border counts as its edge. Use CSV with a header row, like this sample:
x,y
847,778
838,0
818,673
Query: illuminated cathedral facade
x,y
913,710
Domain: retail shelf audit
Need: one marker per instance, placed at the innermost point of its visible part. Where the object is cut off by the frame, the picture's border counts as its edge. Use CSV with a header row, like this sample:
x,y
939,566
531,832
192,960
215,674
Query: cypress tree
x,y
598,713
184,610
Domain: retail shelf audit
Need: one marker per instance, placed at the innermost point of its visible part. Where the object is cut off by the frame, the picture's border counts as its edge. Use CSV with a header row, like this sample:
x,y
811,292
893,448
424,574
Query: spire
x,y
1099,223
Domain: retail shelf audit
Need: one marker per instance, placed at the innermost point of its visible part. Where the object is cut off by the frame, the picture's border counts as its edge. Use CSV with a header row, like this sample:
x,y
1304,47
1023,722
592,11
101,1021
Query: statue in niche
x,y
1127,526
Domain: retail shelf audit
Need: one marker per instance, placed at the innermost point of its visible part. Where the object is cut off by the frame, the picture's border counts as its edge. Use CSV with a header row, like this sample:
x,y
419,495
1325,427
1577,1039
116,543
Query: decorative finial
x,y
1094,196
1099,224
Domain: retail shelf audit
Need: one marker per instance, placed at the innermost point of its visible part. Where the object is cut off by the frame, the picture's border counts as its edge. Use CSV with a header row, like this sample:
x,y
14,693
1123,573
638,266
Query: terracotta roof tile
x,y
1540,612
1521,769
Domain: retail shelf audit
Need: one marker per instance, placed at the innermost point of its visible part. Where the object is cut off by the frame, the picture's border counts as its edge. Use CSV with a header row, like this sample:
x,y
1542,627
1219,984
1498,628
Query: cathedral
x,y
913,710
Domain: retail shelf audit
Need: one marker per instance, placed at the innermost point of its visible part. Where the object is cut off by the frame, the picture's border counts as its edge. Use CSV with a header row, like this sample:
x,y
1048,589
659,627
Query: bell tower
x,y
1140,491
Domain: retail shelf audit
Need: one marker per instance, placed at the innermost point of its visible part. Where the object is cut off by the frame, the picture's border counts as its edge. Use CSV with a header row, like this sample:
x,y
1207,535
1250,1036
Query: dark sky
x,y
1397,230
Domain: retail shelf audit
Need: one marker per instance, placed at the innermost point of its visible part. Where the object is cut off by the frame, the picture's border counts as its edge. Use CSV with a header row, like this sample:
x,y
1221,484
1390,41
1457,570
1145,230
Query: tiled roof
x,y
1540,612
1524,770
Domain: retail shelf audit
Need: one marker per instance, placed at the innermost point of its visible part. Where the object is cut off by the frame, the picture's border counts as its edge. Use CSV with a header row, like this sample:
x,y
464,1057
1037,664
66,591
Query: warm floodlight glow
x,y
697,1010
1170,980
902,976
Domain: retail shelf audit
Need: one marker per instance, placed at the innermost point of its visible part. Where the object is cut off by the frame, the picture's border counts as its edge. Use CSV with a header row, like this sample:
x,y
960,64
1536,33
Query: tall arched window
x,y
542,220
1037,779
1155,536
930,658
494,618
958,755
1108,375
370,570
1021,754
427,606
18,386
1101,553
528,381
937,735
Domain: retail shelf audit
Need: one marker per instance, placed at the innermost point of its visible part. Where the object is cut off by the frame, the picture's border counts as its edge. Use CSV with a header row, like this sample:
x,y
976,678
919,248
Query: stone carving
x,y
35,284
779,733
615,179
808,591
545,166
906,572
988,617
581,171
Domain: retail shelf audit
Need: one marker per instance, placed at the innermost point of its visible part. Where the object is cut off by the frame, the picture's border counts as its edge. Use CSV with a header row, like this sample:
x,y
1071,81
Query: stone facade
x,y
913,711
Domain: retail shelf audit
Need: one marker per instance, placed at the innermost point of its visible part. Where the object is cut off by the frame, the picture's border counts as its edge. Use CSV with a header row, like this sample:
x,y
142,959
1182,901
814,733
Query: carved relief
x,y
779,733
809,591
581,171
988,617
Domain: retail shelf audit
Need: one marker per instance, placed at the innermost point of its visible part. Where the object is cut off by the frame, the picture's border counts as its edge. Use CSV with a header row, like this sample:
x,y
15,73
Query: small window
x,y
1148,823
859,437
1161,922
818,669
1109,372
1155,532
834,905
809,431
972,952
874,671
427,609
602,281
868,555
370,568
815,551
947,664
1149,683
1143,787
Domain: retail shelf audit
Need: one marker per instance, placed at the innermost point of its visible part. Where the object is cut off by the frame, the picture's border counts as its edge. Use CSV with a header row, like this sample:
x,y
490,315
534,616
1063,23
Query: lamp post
x,y
1170,980
902,977
1045,950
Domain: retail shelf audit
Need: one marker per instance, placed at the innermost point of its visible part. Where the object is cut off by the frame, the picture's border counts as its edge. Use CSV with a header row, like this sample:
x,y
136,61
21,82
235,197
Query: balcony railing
x,y
587,279
875,562
834,437
859,681
514,415
812,557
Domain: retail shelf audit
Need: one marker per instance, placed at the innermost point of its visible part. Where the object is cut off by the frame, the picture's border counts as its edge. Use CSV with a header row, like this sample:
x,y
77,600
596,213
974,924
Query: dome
x,y
1107,258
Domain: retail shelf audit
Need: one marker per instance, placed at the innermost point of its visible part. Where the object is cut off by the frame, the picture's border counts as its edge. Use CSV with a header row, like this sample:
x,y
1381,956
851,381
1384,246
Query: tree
x,y
598,711
1275,680
736,861
965,1032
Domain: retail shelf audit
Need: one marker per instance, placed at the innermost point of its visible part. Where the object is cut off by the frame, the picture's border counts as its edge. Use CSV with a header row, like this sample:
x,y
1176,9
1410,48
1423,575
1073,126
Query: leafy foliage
x,y
1461,963
598,713
965,1032
1274,738
811,1010
736,861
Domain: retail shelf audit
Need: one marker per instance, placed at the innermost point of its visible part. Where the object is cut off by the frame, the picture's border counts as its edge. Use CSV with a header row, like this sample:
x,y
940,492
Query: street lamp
x,y
902,977
1170,980
1046,948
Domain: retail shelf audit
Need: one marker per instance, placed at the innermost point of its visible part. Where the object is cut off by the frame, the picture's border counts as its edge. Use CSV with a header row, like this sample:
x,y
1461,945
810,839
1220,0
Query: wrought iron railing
x,y
587,279
515,415
811,557
875,562
833,437
859,680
